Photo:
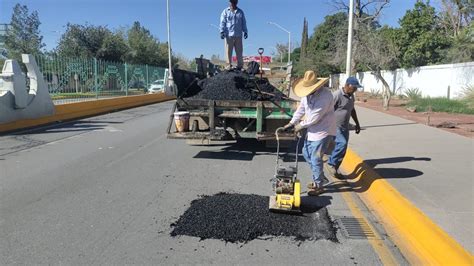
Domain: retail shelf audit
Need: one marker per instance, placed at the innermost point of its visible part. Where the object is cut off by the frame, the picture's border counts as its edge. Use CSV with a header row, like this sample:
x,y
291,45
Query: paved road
x,y
106,189
432,168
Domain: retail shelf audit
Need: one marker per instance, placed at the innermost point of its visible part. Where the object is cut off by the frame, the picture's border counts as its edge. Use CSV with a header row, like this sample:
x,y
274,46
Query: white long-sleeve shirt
x,y
318,112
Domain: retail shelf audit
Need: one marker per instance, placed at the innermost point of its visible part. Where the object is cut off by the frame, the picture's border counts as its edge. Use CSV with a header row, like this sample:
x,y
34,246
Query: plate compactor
x,y
286,186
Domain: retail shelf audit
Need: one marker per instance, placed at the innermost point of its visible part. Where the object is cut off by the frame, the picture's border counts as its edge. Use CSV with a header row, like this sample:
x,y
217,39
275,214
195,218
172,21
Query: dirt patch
x,y
239,218
461,124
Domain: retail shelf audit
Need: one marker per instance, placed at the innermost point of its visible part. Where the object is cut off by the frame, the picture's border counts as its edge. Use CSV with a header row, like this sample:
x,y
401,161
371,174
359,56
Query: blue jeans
x,y
342,139
313,153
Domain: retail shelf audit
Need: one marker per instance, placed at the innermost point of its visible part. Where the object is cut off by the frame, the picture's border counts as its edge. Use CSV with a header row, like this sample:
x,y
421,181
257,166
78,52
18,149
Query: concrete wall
x,y
432,81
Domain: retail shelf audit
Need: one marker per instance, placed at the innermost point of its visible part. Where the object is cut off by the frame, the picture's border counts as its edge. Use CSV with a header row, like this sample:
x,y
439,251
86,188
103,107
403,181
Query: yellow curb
x,y
420,240
77,110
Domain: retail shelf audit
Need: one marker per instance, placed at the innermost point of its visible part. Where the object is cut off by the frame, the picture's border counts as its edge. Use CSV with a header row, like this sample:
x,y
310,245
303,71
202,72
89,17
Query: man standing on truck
x,y
317,107
232,26
344,109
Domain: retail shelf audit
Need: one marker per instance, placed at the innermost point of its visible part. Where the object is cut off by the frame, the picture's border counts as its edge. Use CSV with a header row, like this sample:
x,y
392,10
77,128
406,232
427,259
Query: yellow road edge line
x,y
70,111
377,244
420,240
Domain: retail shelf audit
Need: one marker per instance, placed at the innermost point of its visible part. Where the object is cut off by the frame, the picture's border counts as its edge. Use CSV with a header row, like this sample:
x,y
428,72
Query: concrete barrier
x,y
77,110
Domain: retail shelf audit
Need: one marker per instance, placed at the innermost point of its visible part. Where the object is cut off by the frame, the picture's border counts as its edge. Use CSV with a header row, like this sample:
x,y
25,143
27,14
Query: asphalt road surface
x,y
106,190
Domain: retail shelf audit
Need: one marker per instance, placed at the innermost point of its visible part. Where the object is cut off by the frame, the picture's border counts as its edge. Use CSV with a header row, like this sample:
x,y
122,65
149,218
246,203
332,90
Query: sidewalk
x,y
432,168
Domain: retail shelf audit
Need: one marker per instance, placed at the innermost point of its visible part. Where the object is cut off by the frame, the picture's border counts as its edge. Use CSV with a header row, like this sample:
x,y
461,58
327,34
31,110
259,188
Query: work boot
x,y
312,185
316,191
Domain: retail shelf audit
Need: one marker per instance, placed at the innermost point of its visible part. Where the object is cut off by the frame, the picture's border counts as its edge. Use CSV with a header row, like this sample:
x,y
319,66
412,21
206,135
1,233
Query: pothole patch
x,y
240,218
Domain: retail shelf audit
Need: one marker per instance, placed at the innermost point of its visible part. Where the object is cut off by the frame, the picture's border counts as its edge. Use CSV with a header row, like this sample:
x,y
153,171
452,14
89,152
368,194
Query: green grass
x,y
442,105
72,95
84,95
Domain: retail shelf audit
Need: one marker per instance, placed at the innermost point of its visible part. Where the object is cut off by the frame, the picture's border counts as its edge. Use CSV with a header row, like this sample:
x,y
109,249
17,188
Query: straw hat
x,y
309,84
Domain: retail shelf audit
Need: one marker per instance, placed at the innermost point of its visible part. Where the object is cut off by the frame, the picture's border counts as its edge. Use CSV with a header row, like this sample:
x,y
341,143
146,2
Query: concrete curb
x,y
77,110
420,240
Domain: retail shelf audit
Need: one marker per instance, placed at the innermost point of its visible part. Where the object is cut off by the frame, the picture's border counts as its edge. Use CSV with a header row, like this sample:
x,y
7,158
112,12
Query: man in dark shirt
x,y
343,110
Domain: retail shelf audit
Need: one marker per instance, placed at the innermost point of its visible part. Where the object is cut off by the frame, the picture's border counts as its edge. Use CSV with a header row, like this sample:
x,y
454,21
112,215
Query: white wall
x,y
432,81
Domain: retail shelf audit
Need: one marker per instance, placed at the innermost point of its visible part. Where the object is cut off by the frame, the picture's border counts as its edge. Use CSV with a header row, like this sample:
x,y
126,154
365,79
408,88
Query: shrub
x,y
440,104
467,95
413,93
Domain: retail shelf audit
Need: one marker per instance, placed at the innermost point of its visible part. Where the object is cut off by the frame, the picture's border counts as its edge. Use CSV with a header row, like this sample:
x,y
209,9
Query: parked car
x,y
157,86
136,84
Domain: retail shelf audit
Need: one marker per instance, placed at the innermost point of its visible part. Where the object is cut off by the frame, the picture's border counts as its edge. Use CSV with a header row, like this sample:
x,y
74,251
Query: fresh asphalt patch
x,y
240,218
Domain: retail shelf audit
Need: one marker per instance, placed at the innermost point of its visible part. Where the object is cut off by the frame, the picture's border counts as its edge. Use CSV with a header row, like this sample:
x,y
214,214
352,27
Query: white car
x,y
157,86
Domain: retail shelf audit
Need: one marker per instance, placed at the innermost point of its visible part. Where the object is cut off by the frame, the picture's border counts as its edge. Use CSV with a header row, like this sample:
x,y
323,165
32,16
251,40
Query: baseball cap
x,y
353,81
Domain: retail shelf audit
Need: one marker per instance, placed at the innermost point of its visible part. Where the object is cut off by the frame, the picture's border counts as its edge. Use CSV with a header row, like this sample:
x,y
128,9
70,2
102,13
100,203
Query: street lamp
x,y
349,39
171,86
289,39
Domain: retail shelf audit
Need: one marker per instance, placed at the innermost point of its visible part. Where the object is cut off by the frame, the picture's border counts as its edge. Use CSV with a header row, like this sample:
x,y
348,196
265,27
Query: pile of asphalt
x,y
237,85
241,218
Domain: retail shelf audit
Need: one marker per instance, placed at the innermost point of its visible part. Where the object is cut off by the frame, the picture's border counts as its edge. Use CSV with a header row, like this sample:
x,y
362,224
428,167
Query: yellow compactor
x,y
286,186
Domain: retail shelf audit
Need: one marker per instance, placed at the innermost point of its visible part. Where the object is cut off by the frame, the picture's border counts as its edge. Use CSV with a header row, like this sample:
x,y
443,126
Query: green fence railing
x,y
81,79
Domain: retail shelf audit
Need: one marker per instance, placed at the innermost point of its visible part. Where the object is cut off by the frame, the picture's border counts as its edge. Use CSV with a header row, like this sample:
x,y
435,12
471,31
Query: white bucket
x,y
181,119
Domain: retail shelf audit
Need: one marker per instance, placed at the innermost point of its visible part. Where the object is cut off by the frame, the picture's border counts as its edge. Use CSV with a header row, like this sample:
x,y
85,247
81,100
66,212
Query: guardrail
x,y
84,79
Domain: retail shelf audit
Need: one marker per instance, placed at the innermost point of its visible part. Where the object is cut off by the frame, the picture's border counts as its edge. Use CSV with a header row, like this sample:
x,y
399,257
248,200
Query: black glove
x,y
246,35
222,35
357,129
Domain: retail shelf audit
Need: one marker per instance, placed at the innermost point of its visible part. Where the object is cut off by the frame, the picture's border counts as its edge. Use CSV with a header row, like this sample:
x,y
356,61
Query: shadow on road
x,y
247,149
73,126
311,204
390,125
367,172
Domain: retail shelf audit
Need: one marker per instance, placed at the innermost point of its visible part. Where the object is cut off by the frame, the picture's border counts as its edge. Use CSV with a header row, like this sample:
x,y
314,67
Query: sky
x,y
192,33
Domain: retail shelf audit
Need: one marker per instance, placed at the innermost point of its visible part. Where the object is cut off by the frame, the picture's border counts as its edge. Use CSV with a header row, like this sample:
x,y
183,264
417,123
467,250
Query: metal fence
x,y
83,79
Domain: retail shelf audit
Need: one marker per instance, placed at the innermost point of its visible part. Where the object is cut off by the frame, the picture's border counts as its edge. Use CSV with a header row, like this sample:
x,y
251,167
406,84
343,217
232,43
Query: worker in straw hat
x,y
317,107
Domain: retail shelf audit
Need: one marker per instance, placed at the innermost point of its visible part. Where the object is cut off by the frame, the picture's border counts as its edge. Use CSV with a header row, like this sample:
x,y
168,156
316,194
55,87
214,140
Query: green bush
x,y
413,93
467,95
441,105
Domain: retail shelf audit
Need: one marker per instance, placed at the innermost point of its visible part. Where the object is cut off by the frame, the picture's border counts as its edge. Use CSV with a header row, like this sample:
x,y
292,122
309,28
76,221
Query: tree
x,y
145,49
321,46
456,15
374,48
456,20
378,53
282,50
462,47
304,40
421,40
183,63
113,48
92,41
24,36
366,15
